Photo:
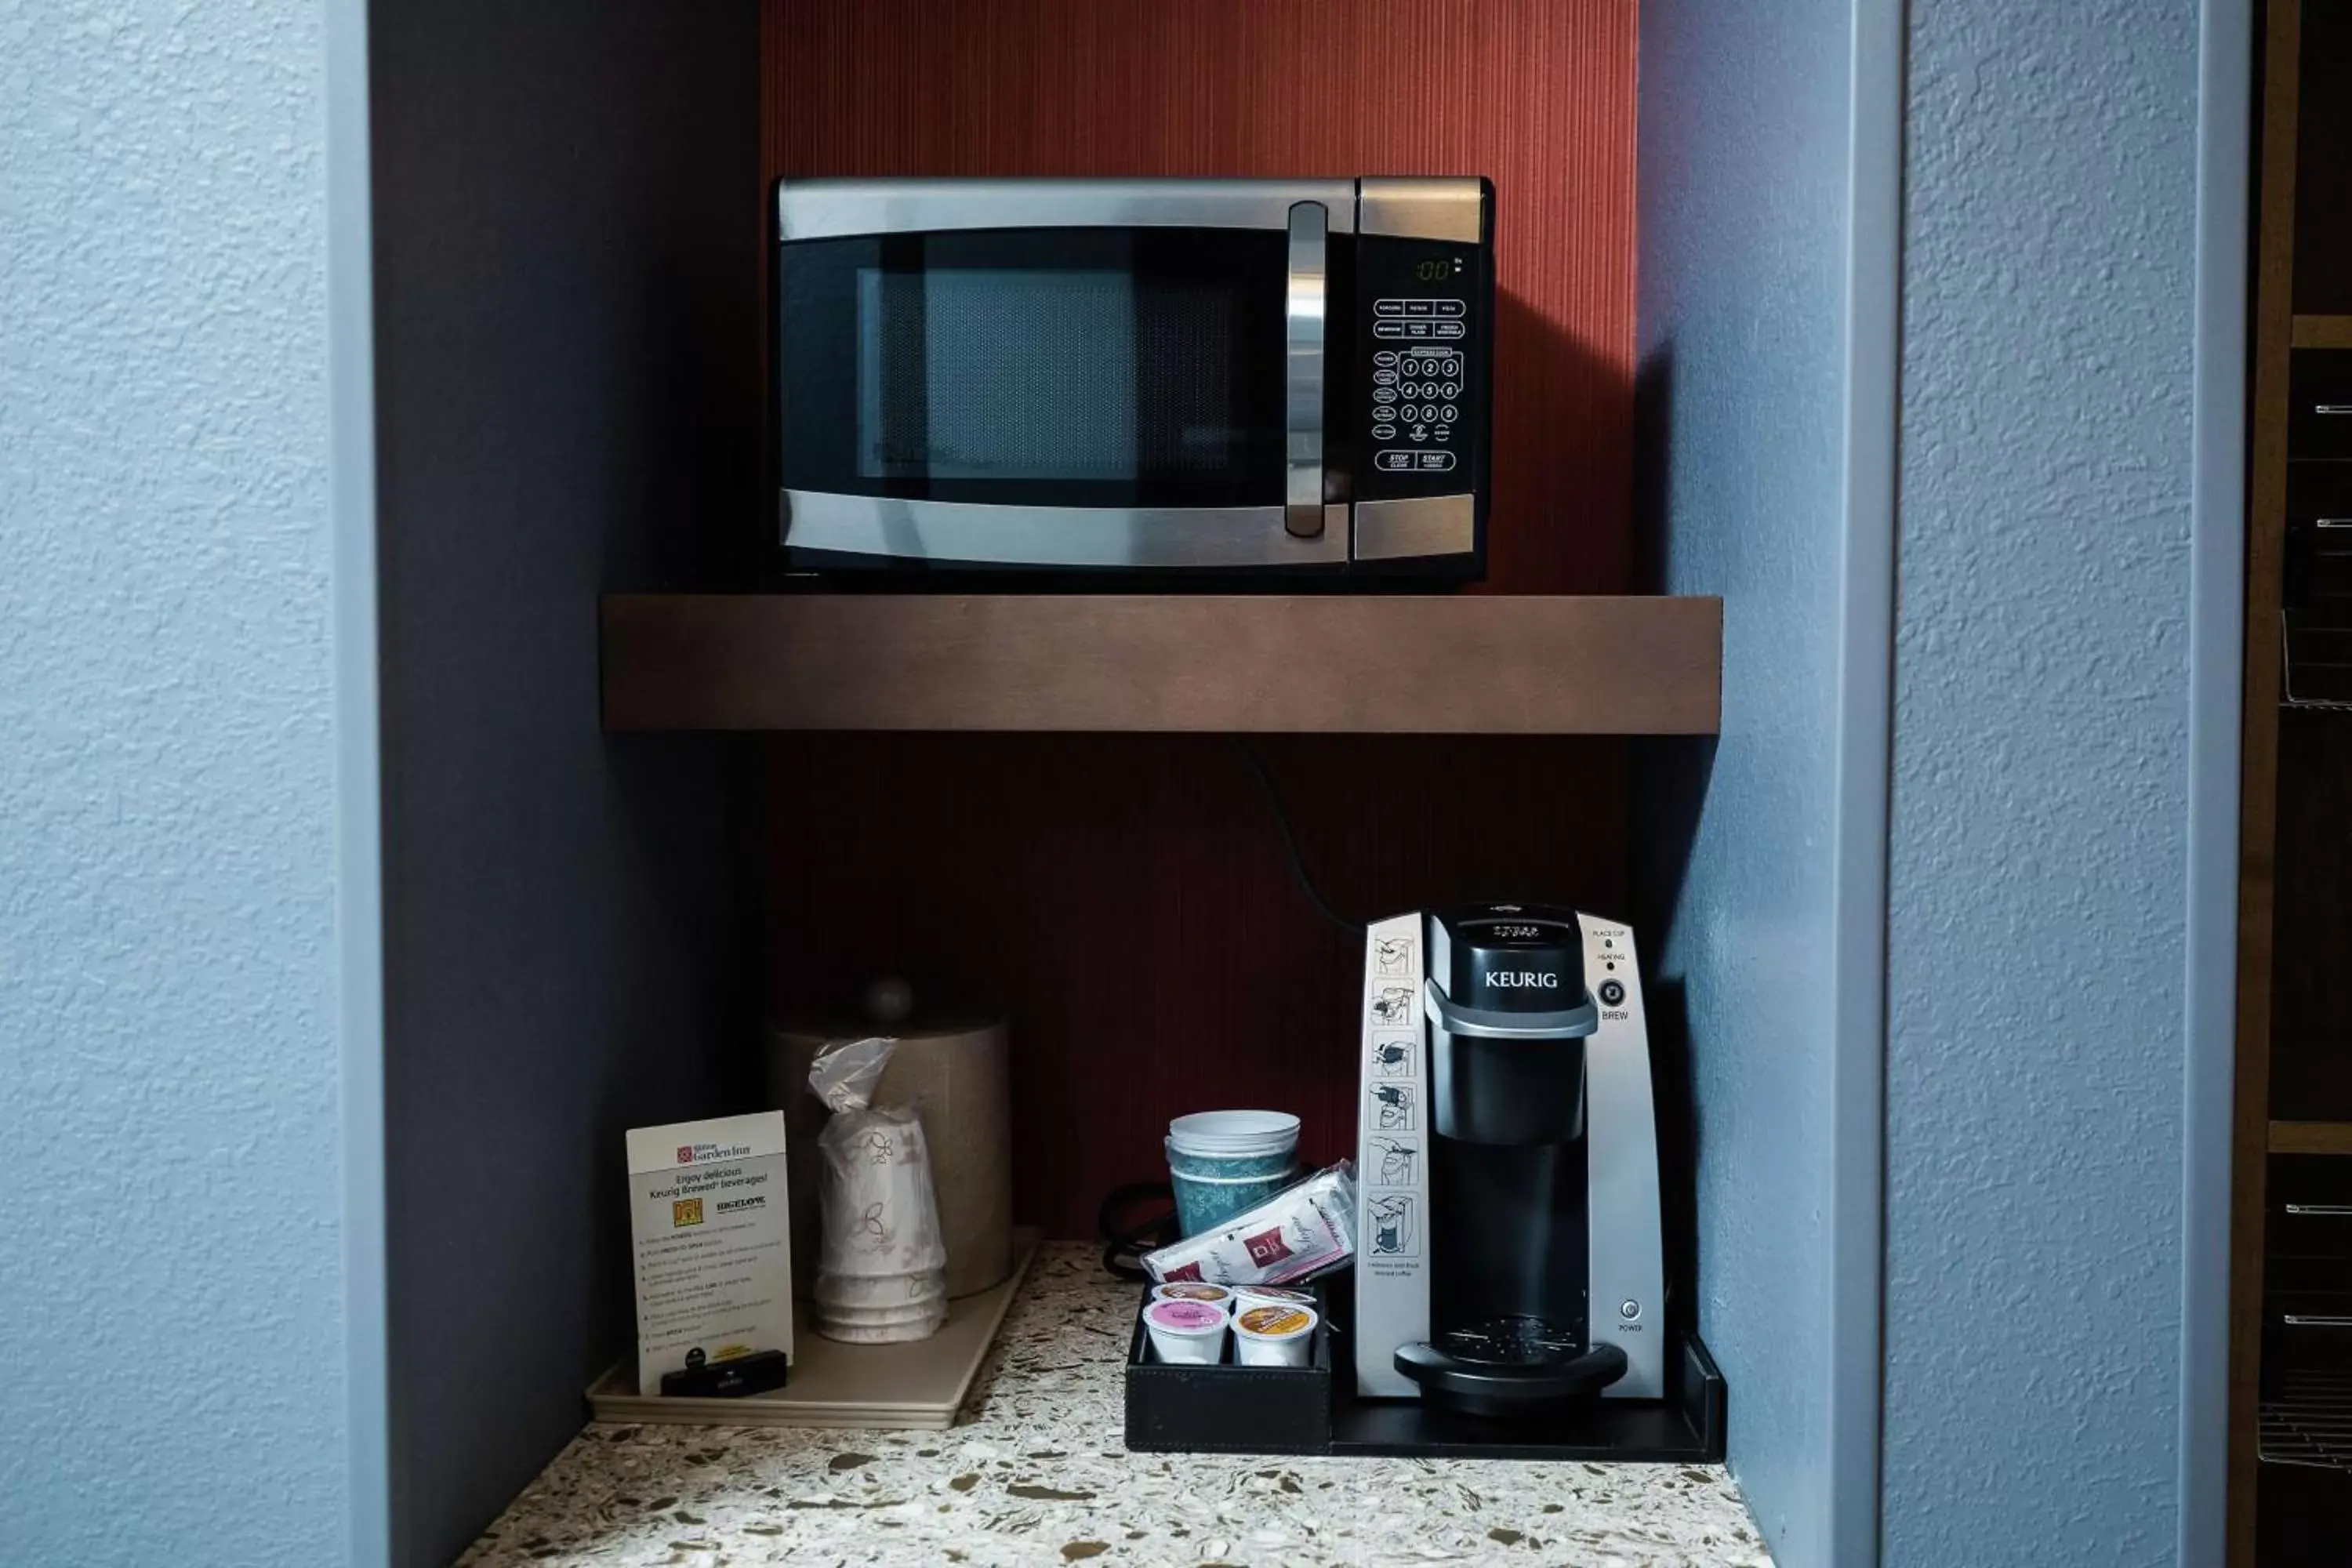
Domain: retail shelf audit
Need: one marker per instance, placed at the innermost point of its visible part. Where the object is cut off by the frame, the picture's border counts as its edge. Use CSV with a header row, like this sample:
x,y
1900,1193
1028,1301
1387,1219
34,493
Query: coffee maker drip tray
x,y
1509,1366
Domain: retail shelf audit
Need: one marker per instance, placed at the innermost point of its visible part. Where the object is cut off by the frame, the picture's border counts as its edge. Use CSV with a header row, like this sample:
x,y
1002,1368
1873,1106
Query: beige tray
x,y
918,1386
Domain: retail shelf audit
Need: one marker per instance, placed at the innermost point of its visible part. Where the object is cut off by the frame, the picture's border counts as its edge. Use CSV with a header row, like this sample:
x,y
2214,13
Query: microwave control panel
x,y
1424,345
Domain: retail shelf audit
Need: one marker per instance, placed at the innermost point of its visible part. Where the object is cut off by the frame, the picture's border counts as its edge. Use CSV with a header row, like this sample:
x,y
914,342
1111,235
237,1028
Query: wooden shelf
x,y
1458,664
2323,332
2311,1137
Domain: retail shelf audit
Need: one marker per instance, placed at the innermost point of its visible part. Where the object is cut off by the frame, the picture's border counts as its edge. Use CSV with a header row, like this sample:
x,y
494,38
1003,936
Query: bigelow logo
x,y
1524,978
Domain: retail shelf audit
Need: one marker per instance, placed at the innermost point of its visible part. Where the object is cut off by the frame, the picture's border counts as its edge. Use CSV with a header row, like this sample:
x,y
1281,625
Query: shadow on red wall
x,y
1124,897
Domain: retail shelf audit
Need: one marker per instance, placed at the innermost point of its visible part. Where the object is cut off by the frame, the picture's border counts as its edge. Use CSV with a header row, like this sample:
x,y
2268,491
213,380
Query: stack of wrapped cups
x,y
1223,1163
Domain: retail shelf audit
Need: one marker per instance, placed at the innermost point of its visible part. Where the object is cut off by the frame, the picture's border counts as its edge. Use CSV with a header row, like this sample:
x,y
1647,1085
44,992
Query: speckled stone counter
x,y
1035,1473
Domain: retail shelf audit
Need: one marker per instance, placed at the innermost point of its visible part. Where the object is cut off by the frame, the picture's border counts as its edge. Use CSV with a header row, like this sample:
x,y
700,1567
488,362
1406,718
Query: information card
x,y
714,1264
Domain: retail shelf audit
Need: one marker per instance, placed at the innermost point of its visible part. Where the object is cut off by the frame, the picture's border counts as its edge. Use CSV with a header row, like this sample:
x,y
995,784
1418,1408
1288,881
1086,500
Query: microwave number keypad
x,y
1416,403
1420,336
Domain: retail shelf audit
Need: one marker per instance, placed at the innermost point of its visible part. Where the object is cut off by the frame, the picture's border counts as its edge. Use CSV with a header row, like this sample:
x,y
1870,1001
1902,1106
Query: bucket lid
x,y
1234,1132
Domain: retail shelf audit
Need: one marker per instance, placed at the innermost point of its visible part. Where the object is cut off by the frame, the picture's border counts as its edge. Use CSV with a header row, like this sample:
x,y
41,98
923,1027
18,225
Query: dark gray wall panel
x,y
567,248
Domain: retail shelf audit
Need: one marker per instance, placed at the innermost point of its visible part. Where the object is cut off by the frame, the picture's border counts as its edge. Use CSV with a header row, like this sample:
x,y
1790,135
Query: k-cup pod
x,y
1194,1290
1277,1334
1248,1296
1186,1333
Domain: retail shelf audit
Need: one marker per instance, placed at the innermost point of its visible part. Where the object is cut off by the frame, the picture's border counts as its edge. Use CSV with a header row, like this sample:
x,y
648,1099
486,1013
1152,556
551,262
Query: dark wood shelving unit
x,y
2322,333
2311,1137
1457,663
2290,1494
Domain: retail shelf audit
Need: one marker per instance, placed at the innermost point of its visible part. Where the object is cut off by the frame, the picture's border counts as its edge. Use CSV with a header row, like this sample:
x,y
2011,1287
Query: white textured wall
x,y
2037,852
170,1296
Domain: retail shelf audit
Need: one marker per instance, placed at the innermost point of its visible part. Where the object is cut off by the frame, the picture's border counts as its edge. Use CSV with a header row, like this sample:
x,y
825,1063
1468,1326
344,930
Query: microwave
x,y
1215,377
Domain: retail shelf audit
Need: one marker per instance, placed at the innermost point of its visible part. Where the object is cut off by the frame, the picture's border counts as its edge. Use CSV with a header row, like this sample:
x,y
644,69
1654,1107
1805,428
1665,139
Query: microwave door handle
x,y
1302,512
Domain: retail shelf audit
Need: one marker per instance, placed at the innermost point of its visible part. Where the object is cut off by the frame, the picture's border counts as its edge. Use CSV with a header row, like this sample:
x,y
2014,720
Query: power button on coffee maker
x,y
1612,991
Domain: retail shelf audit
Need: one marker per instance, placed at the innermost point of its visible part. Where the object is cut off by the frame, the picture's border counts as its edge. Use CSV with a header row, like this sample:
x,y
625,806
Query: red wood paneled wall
x,y
1124,896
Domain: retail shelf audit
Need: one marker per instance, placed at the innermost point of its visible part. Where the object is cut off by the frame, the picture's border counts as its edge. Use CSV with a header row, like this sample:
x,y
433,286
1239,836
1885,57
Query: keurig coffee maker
x,y
1508,1256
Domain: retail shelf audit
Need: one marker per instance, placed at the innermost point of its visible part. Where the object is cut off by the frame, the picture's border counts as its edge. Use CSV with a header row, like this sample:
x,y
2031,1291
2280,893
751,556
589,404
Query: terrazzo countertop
x,y
1035,1472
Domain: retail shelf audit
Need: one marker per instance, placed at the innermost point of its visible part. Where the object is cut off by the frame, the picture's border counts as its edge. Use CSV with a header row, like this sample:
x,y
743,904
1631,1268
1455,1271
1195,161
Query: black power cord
x,y
1290,844
1137,1218
1141,1216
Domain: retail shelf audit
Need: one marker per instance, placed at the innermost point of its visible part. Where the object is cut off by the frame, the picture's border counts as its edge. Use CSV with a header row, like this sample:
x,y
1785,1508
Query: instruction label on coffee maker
x,y
710,1221
1392,1157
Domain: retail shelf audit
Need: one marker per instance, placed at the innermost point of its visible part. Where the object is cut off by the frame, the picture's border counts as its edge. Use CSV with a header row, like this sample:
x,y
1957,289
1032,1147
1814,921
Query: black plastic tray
x,y
1228,1408
1313,1409
1685,1426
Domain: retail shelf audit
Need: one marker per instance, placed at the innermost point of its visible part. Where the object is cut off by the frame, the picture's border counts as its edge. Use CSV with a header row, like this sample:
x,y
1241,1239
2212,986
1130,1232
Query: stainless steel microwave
x,y
1216,376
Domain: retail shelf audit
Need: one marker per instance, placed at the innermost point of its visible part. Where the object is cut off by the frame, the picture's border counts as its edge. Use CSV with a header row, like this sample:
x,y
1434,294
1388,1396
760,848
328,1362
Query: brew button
x,y
1388,307
1383,432
1448,329
1613,993
1388,329
1449,306
1386,359
1419,307
1629,1310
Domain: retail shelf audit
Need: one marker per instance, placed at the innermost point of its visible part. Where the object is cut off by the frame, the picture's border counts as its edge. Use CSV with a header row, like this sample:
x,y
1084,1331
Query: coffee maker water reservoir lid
x,y
1517,958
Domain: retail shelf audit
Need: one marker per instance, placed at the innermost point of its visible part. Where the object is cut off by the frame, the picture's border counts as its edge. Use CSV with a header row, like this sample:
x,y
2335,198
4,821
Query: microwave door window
x,y
966,373
1037,368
